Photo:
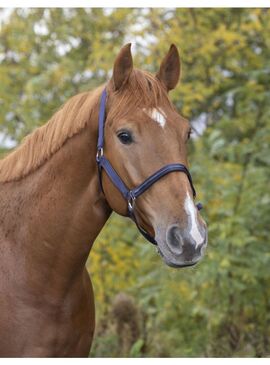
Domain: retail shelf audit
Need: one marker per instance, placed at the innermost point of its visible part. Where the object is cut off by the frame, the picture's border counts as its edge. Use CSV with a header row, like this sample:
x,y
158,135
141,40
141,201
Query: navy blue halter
x,y
130,195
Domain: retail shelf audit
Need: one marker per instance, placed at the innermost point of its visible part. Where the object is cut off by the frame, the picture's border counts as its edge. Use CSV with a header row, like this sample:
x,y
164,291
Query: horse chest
x,y
32,327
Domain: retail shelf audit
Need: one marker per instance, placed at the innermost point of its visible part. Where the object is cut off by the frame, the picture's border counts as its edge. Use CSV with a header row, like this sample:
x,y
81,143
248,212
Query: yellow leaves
x,y
205,285
238,177
4,77
113,261
192,94
231,175
225,263
57,74
254,24
24,46
184,289
228,36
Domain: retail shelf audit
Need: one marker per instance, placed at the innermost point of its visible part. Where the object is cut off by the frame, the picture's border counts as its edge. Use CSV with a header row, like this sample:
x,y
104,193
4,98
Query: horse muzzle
x,y
180,248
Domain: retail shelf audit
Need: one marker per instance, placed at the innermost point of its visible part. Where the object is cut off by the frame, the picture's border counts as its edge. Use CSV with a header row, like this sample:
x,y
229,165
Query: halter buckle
x,y
99,154
131,201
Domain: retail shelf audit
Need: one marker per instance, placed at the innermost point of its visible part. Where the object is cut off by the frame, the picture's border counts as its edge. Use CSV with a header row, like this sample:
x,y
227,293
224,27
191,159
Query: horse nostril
x,y
175,240
182,244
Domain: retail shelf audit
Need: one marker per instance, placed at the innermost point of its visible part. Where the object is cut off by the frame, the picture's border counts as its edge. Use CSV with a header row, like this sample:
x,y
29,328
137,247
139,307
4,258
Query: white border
x,y
137,3
136,361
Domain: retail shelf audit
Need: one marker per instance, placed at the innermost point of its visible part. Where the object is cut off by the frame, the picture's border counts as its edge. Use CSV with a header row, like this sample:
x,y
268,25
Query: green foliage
x,y
49,55
136,348
221,307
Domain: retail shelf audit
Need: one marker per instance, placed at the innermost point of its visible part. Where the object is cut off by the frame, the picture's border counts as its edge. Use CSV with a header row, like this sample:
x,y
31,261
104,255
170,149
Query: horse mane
x,y
42,143
141,90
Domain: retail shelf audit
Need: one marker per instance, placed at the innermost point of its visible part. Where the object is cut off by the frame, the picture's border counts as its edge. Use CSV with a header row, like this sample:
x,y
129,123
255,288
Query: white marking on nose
x,y
157,115
192,213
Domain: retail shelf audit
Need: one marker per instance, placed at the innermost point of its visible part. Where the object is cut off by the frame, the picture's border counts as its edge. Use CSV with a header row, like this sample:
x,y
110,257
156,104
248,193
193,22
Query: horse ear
x,y
169,71
123,66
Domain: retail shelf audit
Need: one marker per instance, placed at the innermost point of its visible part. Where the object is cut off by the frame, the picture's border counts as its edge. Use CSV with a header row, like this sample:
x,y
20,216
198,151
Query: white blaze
x,y
157,115
191,211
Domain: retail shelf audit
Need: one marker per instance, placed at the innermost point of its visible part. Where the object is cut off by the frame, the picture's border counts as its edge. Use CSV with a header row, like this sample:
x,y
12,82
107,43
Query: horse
x,y
57,190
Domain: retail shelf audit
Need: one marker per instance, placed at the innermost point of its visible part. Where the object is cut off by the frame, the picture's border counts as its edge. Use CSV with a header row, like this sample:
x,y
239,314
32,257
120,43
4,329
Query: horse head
x,y
144,134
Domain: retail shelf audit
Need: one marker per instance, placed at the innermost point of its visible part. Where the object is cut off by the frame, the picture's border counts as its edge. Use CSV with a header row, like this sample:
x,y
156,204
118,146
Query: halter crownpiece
x,y
130,195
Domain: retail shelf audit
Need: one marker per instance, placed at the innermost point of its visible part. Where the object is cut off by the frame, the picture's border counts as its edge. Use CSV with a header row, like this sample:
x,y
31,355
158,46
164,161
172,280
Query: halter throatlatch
x,y
130,195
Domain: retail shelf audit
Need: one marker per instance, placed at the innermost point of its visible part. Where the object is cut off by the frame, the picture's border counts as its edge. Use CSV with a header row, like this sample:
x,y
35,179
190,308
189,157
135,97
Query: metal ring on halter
x,y
131,201
99,154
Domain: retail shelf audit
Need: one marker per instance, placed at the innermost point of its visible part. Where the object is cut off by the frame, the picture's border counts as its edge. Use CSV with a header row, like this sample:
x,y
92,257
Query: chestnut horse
x,y
52,206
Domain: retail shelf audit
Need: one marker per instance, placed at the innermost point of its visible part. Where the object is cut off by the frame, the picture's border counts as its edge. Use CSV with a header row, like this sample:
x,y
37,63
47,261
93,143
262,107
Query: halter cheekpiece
x,y
130,195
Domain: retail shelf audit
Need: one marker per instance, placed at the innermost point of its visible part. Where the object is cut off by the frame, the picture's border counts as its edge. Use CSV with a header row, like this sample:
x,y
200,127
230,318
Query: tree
x,y
48,55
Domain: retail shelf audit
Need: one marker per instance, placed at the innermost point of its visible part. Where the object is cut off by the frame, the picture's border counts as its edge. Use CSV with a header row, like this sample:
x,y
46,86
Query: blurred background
x,y
221,307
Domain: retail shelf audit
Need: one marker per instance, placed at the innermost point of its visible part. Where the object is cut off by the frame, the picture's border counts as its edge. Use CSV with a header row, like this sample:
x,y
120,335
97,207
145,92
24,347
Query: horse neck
x,y
63,209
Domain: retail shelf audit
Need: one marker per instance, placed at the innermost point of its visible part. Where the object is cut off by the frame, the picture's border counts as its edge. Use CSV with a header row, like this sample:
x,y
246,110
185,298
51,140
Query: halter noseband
x,y
130,195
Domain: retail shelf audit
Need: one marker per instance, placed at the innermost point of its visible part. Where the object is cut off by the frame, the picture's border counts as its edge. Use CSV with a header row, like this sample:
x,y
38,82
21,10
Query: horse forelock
x,y
142,90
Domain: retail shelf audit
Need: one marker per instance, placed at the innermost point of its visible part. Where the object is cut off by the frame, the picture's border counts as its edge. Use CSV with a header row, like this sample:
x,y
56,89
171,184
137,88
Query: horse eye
x,y
125,137
189,133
